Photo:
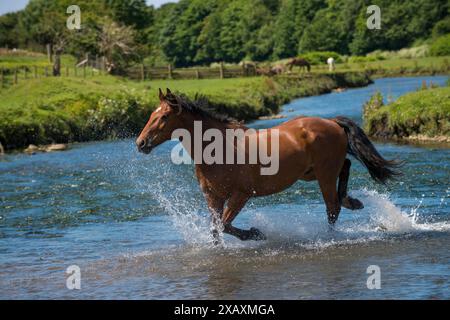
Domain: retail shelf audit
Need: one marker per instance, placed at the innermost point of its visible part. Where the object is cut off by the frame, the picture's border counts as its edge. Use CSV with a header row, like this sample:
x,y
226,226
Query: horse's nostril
x,y
141,143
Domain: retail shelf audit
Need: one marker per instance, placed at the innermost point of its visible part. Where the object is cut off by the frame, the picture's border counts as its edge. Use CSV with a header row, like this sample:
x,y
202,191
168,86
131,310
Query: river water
x,y
138,228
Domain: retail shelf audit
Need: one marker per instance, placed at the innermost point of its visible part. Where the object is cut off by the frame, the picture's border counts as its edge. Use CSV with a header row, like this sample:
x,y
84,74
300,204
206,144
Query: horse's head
x,y
163,121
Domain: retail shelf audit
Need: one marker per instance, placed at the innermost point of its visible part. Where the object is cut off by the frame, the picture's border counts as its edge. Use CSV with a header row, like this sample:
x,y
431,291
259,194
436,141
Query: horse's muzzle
x,y
144,145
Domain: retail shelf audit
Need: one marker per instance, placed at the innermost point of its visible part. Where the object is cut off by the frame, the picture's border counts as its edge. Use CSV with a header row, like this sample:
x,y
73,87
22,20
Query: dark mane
x,y
199,106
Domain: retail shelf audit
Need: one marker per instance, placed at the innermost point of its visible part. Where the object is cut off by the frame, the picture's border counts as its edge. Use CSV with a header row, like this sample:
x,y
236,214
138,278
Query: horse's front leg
x,y
234,206
215,206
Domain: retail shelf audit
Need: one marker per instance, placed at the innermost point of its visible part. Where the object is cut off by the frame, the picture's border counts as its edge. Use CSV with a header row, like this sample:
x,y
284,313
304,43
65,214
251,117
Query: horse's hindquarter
x,y
304,145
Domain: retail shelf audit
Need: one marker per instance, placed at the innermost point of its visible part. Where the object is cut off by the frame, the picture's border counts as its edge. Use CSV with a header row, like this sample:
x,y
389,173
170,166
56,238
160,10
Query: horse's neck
x,y
206,124
196,125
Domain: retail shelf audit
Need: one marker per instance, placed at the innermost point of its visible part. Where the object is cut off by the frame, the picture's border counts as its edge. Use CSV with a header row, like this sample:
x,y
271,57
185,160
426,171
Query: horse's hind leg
x,y
327,183
345,200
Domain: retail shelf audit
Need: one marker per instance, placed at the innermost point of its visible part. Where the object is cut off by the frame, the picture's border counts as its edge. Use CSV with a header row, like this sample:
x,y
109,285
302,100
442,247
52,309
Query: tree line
x,y
199,32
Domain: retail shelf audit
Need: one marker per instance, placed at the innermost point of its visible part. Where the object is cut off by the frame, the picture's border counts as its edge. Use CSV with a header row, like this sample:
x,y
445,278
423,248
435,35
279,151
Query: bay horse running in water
x,y
309,149
299,62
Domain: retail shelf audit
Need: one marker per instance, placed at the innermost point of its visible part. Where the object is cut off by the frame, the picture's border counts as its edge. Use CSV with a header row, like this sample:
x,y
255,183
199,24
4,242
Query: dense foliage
x,y
193,32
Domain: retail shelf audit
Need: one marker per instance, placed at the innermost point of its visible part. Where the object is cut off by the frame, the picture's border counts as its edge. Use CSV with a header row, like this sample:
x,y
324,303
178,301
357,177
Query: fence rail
x,y
12,76
143,72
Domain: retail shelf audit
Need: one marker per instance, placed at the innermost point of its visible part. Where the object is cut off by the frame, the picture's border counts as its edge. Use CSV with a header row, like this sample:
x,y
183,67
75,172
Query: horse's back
x,y
319,137
315,127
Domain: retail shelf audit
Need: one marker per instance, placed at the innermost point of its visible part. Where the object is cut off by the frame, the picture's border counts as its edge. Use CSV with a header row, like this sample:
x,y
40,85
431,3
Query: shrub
x,y
441,28
425,112
441,46
320,57
118,116
407,53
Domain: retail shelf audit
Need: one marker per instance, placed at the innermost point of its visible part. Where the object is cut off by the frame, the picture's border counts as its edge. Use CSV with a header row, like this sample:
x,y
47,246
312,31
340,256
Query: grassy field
x,y
395,66
45,110
423,113
21,59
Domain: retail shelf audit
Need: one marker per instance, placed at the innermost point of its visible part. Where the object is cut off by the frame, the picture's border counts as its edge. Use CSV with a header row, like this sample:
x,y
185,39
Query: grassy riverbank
x,y
419,116
46,110
398,67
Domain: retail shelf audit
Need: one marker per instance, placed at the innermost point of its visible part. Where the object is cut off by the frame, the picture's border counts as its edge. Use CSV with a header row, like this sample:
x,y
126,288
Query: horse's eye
x,y
164,117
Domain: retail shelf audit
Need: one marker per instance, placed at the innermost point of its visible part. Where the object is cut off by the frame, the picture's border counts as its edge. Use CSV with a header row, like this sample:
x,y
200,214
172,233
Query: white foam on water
x,y
303,225
380,219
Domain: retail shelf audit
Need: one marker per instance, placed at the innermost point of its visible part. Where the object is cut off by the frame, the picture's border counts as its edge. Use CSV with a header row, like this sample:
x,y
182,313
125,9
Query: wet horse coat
x,y
310,148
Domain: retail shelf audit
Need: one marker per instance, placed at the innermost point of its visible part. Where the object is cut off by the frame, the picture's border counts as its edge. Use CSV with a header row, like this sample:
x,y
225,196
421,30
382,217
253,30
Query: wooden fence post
x,y
142,72
75,71
103,65
46,71
221,70
197,74
170,71
15,76
84,70
49,52
2,78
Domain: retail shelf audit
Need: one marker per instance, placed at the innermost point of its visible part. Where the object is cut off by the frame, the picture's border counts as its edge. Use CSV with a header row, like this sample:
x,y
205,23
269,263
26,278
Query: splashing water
x,y
187,214
294,225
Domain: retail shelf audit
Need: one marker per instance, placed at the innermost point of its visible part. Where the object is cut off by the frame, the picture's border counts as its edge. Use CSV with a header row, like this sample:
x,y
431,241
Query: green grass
x,y
396,66
425,112
64,109
8,62
54,91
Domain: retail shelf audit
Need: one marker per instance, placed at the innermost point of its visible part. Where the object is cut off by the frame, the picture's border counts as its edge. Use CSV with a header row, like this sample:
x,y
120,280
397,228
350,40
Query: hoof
x,y
216,237
331,227
255,234
352,204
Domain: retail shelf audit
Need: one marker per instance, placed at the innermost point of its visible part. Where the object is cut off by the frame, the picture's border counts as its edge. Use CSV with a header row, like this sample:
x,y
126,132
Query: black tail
x,y
362,149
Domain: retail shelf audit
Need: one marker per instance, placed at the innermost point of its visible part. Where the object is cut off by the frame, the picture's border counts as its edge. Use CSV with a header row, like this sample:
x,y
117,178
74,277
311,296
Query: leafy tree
x,y
182,28
192,32
131,12
402,23
9,34
285,44
116,45
332,27
209,40
441,28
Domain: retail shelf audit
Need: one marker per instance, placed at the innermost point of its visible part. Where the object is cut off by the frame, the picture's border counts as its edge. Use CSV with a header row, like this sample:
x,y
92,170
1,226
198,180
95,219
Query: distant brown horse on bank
x,y
270,71
309,149
299,62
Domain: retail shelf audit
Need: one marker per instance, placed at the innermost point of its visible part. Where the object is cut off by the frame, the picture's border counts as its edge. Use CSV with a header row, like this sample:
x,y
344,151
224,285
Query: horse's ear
x,y
161,95
168,92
